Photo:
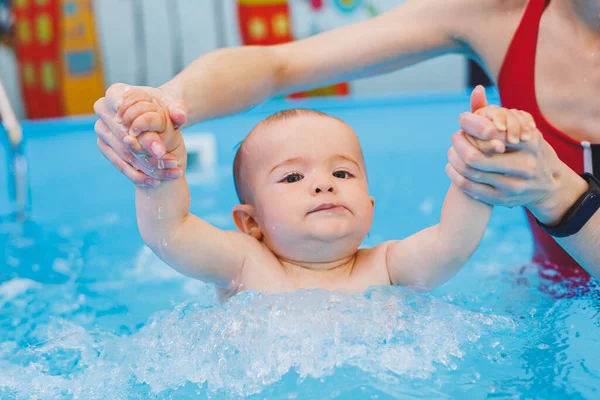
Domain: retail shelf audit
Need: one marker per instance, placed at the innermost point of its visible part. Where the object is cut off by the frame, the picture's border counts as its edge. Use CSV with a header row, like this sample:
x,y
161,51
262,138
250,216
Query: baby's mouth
x,y
328,207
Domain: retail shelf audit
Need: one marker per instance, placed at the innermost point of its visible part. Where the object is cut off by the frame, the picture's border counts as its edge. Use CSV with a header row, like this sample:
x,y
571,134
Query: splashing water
x,y
140,330
249,344
87,311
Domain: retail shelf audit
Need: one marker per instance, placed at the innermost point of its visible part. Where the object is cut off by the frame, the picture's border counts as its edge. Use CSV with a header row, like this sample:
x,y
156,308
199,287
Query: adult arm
x,y
530,175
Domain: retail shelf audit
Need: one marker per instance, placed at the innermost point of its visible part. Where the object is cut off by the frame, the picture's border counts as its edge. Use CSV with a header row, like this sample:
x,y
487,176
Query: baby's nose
x,y
320,189
323,187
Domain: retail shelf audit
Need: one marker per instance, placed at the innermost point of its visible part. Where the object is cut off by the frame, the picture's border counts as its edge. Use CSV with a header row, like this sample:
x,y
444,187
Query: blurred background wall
x,y
60,55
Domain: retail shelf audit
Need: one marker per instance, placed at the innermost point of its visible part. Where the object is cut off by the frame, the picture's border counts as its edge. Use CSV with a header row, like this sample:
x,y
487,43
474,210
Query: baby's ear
x,y
243,218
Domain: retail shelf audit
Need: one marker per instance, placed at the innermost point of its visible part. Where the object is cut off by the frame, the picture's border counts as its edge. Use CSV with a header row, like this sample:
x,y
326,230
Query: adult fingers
x,y
139,160
114,95
499,181
478,98
478,191
137,177
518,164
103,109
487,147
152,170
153,144
178,113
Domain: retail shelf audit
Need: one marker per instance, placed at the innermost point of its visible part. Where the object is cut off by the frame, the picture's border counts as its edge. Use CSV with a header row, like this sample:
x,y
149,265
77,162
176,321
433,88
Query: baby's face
x,y
309,188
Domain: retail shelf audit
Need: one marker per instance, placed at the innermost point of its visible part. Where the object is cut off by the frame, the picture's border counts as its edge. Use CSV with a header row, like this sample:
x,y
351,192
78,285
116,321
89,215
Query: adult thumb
x,y
178,114
478,98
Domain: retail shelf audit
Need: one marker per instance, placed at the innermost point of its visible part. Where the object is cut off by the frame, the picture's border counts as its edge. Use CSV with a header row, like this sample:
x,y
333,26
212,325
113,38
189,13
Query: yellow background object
x,y
83,81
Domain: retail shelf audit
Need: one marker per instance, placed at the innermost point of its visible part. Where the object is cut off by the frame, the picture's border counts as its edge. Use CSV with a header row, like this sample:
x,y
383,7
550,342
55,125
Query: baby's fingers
x,y
130,98
513,124
150,121
496,115
527,124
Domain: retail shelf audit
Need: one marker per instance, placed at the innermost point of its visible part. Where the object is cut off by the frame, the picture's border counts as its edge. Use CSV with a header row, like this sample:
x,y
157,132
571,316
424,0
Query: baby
x,y
304,210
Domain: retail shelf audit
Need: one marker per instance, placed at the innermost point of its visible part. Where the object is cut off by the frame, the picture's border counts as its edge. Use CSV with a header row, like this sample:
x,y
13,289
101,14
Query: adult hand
x,y
530,174
141,157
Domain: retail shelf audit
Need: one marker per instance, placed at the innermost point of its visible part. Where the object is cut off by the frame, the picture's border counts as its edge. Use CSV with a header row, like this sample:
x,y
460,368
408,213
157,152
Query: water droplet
x,y
160,213
164,242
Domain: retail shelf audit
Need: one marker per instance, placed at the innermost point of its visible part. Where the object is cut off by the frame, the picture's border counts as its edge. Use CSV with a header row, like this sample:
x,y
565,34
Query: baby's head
x,y
302,183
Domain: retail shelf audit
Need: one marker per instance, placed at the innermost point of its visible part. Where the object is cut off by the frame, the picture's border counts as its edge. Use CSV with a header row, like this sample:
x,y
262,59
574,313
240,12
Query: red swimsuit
x,y
517,90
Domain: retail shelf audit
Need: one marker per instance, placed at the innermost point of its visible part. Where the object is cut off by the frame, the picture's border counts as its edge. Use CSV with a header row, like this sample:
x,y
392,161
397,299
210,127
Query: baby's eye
x,y
342,174
294,177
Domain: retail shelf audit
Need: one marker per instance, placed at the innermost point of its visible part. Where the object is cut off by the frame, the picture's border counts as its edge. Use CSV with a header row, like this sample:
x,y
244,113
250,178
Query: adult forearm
x,y
584,246
226,81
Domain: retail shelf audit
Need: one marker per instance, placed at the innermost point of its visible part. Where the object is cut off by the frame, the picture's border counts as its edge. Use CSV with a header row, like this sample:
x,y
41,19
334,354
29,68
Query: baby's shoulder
x,y
261,265
371,264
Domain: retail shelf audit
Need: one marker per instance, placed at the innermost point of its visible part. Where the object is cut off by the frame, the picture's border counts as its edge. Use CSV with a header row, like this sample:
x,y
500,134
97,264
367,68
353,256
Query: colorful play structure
x,y
57,50
58,54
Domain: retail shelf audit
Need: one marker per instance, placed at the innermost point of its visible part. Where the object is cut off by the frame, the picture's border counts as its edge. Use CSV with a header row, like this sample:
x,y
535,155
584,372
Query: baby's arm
x,y
181,239
432,256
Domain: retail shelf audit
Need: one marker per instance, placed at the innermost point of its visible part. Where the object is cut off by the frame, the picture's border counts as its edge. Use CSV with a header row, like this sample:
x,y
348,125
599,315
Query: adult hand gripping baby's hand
x,y
530,175
133,147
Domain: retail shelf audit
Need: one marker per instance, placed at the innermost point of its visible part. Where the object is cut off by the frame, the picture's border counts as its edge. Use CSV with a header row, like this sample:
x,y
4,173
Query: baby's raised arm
x,y
432,256
182,240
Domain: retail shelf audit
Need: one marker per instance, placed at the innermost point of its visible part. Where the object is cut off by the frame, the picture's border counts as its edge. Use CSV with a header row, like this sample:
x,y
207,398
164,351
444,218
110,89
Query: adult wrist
x,y
172,90
568,188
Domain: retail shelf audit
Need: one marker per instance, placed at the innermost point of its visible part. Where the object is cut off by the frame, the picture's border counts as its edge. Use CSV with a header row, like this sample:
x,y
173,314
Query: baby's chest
x,y
269,277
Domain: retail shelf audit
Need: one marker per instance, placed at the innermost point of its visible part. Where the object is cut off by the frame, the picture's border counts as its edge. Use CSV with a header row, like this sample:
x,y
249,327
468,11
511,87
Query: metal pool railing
x,y
18,183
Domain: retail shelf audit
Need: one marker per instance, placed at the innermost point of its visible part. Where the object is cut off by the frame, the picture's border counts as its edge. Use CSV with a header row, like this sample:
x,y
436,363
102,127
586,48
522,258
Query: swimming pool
x,y
87,311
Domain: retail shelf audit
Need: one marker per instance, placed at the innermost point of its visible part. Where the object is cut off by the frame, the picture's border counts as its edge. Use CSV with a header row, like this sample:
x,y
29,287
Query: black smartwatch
x,y
579,213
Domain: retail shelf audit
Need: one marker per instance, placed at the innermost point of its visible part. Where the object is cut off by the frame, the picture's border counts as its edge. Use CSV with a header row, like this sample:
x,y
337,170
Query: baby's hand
x,y
504,127
141,114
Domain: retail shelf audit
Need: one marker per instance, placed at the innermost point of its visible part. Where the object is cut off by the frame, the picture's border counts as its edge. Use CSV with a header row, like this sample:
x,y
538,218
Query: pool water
x,y
87,311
